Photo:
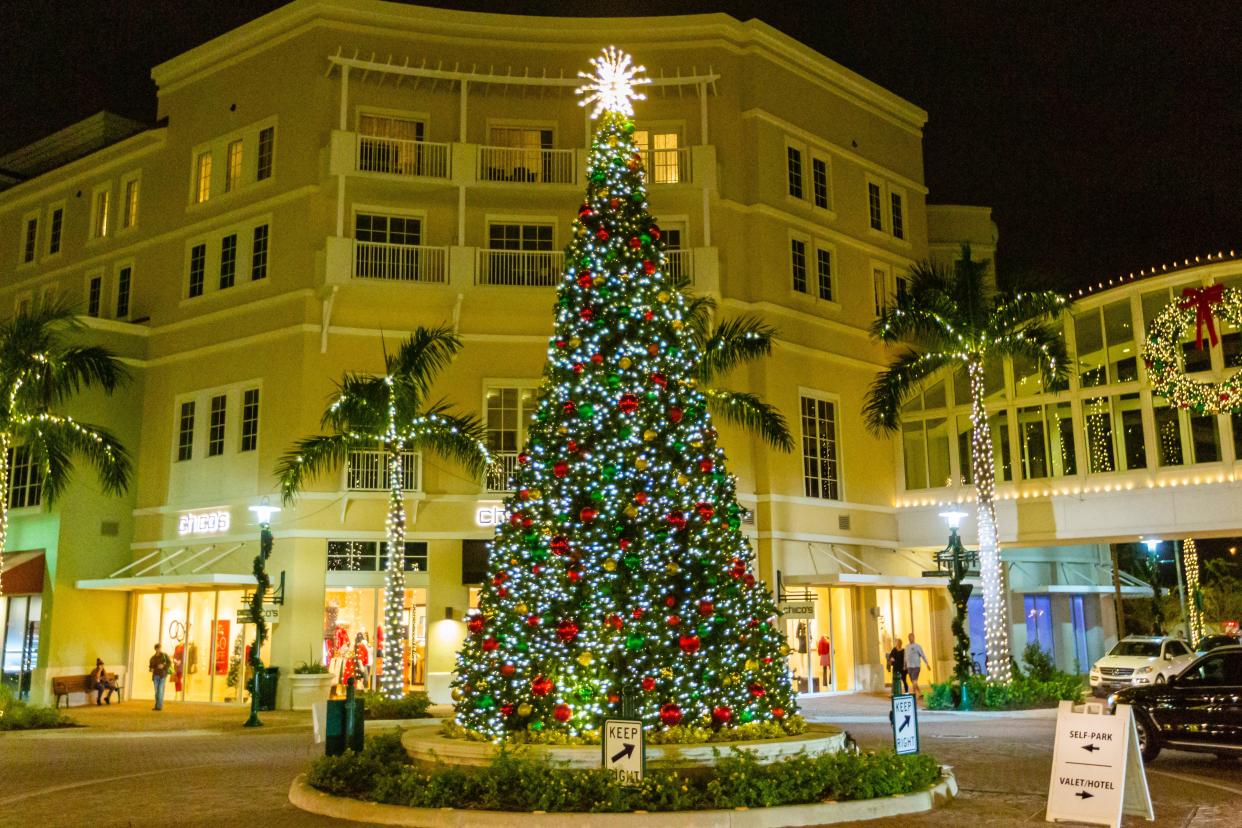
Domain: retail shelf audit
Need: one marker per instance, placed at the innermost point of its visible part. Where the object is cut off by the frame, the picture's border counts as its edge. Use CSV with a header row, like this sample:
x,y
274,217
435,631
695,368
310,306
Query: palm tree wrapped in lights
x,y
390,411
40,371
952,317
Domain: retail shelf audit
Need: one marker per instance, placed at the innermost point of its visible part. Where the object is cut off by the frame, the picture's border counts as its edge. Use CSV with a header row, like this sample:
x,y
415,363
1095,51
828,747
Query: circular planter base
x,y
424,743
307,798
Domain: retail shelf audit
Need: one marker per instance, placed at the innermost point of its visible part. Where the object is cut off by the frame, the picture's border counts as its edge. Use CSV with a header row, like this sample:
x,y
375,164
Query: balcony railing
x,y
500,473
667,166
367,471
400,262
532,166
421,159
519,268
679,264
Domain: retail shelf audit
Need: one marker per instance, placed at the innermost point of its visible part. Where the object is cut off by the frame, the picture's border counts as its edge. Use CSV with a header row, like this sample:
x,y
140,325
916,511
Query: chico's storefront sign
x,y
204,523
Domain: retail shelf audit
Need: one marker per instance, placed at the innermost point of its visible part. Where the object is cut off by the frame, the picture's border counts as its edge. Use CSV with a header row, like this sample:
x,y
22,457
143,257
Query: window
x,y
267,146
798,263
1218,670
228,261
903,287
198,269
202,177
874,206
794,163
185,432
1046,441
25,478
31,239
258,254
129,206
382,248
823,272
58,221
926,452
508,412
1168,434
94,295
123,283
250,420
215,426
1039,621
232,165
820,472
819,182
99,220
391,145
524,154
879,284
660,151
519,236
1194,359
899,226
372,556
1114,433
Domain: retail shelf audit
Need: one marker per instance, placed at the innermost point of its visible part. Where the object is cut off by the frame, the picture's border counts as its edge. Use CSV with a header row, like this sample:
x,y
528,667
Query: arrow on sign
x,y
1090,748
903,724
625,752
1083,795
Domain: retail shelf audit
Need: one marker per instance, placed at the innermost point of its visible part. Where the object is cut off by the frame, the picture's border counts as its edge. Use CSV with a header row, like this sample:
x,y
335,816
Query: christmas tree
x,y
622,572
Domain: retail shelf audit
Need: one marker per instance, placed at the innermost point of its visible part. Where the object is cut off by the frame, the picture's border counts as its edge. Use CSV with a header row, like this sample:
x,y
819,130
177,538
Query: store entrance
x,y
901,612
821,640
353,624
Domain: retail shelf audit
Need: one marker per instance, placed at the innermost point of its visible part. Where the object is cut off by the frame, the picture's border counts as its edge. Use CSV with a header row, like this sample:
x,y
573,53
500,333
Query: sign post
x,y
1097,767
624,753
905,719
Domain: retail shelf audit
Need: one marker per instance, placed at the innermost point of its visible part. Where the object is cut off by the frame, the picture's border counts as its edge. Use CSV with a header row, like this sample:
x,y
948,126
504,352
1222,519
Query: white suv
x,y
1137,660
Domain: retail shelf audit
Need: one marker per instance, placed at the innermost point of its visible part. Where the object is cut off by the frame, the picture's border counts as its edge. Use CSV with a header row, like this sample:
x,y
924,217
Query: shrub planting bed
x,y
412,705
18,715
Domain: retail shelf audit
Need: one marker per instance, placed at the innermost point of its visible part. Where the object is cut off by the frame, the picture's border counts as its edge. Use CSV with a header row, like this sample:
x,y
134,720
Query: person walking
x,y
99,680
915,655
897,663
159,665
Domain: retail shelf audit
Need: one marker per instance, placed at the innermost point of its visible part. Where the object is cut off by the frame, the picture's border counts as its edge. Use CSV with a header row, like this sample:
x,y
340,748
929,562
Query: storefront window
x,y
821,646
354,635
901,612
1039,621
19,646
199,632
372,556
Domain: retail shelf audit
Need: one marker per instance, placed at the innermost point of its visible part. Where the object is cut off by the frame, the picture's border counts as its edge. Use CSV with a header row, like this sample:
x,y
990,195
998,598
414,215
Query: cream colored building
x,y
333,174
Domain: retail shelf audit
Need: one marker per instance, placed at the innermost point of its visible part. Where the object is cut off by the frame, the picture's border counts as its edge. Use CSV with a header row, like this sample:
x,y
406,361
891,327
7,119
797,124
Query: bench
x,y
62,686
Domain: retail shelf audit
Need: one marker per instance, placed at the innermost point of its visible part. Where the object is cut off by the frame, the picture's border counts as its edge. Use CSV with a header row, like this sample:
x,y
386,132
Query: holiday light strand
x,y
1163,358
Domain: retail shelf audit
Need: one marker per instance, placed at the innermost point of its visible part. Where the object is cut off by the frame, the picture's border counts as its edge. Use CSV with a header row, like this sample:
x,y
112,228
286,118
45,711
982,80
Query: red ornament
x,y
614,203
562,712
524,494
572,445
649,266
778,712
560,469
752,623
671,601
569,407
749,580
653,348
706,607
560,343
648,683
722,715
541,686
584,211
506,710
567,630
757,690
706,465
670,714
688,643
601,234
585,279
598,359
516,517
705,510
574,575
654,230
475,624
579,368
637,613
507,670
676,520
501,592
523,458
659,379
641,498
586,314
587,514
648,315
767,659
628,404
636,242
674,620
675,414
499,578
624,543
533,620
559,545
613,620
490,644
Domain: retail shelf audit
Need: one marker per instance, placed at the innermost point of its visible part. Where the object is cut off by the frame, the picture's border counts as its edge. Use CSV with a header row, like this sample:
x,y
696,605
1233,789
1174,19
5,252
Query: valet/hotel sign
x,y
204,523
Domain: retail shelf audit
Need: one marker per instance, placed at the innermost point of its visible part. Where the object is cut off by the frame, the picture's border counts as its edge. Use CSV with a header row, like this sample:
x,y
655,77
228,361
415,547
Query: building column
x,y
446,595
299,634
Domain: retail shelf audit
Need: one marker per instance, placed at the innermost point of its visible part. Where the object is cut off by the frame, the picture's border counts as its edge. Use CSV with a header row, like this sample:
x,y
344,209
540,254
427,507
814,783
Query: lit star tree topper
x,y
611,86
620,579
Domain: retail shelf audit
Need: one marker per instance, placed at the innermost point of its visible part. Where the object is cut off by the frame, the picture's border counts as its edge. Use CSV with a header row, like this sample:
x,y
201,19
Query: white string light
x,y
983,470
611,87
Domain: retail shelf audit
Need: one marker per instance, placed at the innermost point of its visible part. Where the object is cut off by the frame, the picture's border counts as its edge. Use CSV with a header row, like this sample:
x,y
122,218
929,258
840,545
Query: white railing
x,y
679,264
532,166
667,166
400,262
500,473
519,268
367,471
395,156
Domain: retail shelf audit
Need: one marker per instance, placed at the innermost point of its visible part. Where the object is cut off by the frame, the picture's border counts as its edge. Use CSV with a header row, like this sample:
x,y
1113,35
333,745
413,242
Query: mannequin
x,y
362,653
824,648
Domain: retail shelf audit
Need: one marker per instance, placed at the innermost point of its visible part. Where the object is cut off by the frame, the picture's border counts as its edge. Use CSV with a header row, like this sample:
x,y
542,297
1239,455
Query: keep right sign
x,y
1097,769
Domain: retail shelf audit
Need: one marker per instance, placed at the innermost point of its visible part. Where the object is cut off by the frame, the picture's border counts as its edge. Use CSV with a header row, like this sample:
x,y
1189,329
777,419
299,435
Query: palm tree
x,y
40,371
724,346
390,411
952,317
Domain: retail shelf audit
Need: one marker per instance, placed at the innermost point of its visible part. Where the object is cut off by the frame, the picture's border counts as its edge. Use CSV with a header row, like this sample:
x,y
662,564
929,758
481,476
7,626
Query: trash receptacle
x,y
267,688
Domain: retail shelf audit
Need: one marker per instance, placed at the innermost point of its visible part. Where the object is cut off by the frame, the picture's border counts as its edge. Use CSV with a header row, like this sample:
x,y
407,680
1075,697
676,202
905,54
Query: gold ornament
x,y
610,564
574,342
751,664
667,673
585,659
563,430
672,568
682,480
640,463
457,695
520,609
535,494
631,511
662,296
612,140
625,362
524,709
697,444
677,324
597,281
784,649
649,435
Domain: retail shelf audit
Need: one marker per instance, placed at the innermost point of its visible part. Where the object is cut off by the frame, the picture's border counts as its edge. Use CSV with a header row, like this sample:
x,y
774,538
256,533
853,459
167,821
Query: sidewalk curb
x,y
303,796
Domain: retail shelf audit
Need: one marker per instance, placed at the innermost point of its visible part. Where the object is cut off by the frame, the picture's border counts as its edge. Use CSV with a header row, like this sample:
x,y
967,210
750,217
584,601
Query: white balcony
x,y
667,166
679,264
400,262
367,471
519,268
392,156
527,166
500,473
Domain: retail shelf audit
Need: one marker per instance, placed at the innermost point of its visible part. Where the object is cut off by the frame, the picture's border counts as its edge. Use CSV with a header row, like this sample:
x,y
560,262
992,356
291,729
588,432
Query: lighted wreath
x,y
1162,355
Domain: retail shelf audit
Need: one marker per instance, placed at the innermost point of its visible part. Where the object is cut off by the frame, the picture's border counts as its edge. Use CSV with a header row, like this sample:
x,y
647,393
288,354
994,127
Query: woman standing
x,y
897,664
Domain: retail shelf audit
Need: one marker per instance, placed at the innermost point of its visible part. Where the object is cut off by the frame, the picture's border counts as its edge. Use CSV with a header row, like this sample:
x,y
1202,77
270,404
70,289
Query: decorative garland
x,y
1163,352
263,583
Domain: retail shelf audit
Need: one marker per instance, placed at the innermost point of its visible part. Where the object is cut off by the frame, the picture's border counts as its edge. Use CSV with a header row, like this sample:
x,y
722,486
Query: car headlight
x,y
1147,669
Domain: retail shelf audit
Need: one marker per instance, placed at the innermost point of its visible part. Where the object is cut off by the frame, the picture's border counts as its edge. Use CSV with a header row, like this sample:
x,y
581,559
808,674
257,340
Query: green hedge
x,y
513,782
412,705
1022,693
687,734
18,715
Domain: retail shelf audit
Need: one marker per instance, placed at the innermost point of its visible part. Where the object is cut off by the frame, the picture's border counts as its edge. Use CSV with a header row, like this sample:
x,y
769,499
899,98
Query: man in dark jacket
x,y
159,665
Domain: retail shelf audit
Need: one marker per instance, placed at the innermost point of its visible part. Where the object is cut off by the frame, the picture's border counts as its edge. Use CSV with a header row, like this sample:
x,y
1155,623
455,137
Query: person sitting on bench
x,y
99,680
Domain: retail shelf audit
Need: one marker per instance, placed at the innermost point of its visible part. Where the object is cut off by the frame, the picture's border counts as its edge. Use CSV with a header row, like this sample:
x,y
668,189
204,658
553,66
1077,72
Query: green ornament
x,y
679,445
631,560
614,381
695,694
646,238
652,396
536,725
586,411
746,716
485,702
597,497
711,580
584,694
628,127
539,555
531,537
522,646
637,197
625,433
704,629
634,641
609,472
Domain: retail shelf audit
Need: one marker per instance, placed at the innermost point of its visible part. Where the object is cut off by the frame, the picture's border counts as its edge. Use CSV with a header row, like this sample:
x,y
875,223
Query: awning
x,y
865,579
157,583
23,573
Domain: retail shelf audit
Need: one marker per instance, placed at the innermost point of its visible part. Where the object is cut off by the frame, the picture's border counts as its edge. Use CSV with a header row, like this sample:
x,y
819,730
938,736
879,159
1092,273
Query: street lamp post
x,y
1153,568
957,562
264,514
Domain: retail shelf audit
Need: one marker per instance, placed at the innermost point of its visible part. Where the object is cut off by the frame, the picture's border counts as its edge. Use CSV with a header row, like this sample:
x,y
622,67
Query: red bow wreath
x,y
1202,300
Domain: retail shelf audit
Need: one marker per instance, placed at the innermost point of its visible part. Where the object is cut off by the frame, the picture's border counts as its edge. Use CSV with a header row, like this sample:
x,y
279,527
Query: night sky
x,y
1106,135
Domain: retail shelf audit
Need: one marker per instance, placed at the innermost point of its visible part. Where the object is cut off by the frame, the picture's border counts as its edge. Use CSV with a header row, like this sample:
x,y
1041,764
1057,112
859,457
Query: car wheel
x,y
1160,679
1149,742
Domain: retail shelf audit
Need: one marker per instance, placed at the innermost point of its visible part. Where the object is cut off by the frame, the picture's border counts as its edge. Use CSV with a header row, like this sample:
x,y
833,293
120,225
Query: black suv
x,y
1198,710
